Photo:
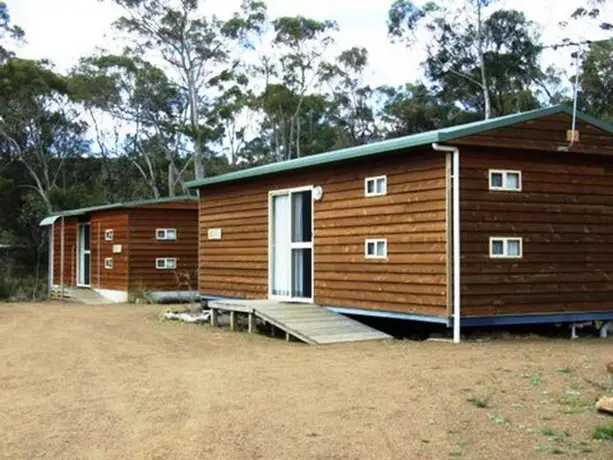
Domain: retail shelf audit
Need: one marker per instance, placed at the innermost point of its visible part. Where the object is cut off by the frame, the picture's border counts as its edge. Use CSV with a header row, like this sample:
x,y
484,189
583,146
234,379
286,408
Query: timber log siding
x,y
116,278
145,248
70,251
134,267
564,213
412,217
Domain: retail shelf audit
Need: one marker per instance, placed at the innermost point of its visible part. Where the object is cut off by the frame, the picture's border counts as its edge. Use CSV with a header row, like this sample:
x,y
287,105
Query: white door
x,y
291,245
84,256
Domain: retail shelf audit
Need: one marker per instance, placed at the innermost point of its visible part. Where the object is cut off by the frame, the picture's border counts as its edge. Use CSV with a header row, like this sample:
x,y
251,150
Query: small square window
x,y
514,248
108,235
506,247
498,248
496,180
376,249
503,180
166,263
166,234
376,186
513,181
108,263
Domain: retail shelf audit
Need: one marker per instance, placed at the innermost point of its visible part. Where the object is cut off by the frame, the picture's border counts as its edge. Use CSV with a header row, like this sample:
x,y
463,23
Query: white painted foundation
x,y
113,296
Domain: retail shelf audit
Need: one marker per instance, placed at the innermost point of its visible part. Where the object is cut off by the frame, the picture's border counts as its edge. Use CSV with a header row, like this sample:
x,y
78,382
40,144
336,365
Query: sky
x,y
65,30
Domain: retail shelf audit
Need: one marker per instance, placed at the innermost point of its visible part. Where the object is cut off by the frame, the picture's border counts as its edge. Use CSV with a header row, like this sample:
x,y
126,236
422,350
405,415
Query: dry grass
x,y
115,382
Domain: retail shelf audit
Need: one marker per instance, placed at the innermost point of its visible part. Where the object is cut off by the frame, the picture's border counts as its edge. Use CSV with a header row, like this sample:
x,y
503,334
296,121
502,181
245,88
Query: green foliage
x,y
7,30
471,55
414,108
22,288
196,95
596,80
479,401
604,432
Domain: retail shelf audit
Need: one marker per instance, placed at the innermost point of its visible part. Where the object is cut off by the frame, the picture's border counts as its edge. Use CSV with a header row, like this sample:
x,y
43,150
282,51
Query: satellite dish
x,y
317,193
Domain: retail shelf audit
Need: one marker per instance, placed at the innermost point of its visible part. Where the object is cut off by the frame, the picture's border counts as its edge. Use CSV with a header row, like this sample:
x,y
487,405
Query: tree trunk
x,y
484,84
298,153
171,179
193,118
291,139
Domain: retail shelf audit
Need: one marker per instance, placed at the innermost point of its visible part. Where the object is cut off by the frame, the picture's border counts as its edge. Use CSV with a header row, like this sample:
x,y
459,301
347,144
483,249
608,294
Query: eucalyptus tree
x,y
39,125
414,108
8,32
135,112
350,97
486,59
290,75
198,51
596,80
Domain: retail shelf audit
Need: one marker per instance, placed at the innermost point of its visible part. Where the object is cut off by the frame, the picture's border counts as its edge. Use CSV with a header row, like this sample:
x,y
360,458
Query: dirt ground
x,y
116,382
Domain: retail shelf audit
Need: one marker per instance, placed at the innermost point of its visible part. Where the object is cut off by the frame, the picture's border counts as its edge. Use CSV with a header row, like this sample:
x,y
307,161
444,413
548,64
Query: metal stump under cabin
x,y
307,322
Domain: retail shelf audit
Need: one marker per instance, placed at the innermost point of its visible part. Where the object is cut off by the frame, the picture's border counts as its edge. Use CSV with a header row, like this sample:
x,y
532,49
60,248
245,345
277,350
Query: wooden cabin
x,y
524,234
140,247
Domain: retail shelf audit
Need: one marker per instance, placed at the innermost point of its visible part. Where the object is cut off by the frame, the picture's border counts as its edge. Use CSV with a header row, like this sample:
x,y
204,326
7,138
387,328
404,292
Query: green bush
x,y
604,432
22,289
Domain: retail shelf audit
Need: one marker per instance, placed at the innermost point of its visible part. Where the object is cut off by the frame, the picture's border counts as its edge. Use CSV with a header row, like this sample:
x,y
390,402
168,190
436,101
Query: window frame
x,y
109,234
505,247
108,266
374,242
505,187
165,232
165,260
374,179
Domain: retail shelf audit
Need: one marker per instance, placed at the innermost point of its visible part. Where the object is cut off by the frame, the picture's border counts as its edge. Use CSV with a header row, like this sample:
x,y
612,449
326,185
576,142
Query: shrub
x,y
604,432
22,289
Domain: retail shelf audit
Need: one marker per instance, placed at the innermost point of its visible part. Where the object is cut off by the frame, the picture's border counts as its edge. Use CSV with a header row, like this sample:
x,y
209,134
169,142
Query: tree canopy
x,y
193,94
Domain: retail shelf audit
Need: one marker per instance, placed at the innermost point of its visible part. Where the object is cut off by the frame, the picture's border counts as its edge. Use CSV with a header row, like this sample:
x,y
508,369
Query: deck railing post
x,y
252,323
233,321
214,318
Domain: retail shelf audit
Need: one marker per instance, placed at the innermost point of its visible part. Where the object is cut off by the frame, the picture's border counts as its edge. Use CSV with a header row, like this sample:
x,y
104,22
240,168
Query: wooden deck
x,y
306,322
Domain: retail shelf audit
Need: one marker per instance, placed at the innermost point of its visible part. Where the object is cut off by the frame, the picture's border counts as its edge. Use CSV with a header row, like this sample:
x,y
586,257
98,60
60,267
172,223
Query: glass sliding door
x,y
84,256
281,281
291,245
302,244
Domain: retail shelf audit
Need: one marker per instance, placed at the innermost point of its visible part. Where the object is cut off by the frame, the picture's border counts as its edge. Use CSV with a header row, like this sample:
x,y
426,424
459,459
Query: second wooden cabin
x,y
146,247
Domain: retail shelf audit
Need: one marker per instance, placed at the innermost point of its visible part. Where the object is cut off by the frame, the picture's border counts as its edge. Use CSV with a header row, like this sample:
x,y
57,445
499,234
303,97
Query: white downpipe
x,y
51,256
455,199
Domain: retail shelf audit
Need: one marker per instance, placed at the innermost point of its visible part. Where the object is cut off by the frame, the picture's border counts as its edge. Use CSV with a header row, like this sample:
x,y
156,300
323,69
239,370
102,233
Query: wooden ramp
x,y
79,295
307,322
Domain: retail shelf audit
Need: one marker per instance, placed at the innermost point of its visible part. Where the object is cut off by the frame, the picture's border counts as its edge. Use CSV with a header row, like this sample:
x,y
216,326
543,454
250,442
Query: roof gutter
x,y
455,226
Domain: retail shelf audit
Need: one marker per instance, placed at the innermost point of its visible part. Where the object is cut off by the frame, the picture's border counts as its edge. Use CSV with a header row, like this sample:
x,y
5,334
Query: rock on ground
x,y
605,404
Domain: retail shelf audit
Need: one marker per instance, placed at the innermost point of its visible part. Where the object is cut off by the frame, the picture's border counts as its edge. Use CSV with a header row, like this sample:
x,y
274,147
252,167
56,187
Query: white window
x,y
505,180
375,249
504,247
166,233
166,263
108,263
108,235
375,186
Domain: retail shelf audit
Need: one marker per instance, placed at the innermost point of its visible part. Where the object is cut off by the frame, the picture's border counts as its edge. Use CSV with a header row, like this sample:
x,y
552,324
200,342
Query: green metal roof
x,y
416,140
128,204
